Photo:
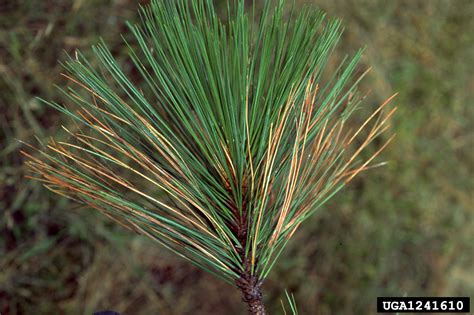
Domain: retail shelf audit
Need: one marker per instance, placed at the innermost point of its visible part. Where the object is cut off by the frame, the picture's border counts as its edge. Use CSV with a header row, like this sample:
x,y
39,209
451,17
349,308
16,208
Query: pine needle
x,y
232,141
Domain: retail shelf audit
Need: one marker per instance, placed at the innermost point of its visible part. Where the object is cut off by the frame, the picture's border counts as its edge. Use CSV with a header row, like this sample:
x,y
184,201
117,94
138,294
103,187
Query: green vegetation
x,y
402,229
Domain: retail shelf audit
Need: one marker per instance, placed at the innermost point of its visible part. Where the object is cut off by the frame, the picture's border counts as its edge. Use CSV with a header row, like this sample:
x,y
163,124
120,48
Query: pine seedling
x,y
232,140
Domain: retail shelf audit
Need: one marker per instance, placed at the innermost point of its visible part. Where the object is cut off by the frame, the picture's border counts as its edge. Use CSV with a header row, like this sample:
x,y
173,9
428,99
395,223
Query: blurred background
x,y
404,229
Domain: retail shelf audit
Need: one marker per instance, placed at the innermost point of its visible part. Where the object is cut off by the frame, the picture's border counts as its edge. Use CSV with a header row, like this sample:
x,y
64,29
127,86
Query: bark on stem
x,y
249,284
252,294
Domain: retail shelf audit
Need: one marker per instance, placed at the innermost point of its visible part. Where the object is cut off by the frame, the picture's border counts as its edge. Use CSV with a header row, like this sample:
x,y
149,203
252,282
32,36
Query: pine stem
x,y
252,294
249,284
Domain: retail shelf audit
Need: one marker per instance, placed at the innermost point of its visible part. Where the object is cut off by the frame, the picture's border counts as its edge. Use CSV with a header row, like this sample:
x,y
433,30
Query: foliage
x,y
231,144
291,304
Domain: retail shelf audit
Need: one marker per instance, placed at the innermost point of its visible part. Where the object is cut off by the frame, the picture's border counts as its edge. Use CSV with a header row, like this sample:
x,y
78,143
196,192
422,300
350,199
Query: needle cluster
x,y
232,140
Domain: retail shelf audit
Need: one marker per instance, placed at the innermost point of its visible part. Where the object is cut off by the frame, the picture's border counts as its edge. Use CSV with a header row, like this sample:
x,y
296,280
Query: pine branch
x,y
232,141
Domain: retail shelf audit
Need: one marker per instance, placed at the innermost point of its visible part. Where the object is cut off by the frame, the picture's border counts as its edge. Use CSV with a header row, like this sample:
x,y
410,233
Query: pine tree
x,y
233,140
